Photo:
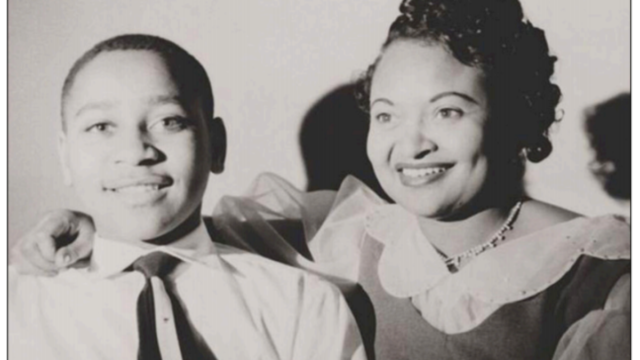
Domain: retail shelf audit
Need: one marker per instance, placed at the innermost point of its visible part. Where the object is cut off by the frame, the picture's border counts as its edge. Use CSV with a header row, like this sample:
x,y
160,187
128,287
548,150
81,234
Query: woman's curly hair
x,y
494,36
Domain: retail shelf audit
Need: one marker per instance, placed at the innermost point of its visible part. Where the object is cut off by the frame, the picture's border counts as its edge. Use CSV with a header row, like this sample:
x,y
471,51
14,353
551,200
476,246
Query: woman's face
x,y
428,117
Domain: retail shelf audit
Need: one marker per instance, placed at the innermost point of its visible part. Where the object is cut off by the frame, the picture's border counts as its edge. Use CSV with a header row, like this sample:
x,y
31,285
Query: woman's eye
x,y
450,113
383,118
99,127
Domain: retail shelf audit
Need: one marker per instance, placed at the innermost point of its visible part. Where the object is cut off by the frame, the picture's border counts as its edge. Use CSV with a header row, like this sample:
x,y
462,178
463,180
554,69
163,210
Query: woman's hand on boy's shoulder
x,y
59,240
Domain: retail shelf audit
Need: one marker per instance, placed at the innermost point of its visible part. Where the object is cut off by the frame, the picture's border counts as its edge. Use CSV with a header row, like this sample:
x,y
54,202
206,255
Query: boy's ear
x,y
218,138
63,153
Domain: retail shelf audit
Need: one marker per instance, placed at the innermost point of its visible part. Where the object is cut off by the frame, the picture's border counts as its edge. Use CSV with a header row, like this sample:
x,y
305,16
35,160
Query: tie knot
x,y
156,263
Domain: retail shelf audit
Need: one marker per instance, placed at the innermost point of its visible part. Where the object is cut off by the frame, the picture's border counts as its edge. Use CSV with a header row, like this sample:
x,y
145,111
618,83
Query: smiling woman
x,y
428,115
464,264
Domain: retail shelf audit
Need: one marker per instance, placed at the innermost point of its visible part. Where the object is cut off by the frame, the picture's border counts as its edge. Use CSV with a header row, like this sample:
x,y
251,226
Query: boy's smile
x,y
135,149
139,190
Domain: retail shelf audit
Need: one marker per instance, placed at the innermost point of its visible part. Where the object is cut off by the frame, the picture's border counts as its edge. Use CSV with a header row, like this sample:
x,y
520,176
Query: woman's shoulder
x,y
598,235
537,215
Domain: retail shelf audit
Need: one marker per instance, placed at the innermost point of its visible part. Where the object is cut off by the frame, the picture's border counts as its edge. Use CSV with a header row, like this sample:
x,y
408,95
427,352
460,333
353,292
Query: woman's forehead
x,y
411,69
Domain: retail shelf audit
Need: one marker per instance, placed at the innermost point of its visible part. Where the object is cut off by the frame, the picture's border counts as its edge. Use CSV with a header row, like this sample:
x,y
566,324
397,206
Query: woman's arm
x,y
59,240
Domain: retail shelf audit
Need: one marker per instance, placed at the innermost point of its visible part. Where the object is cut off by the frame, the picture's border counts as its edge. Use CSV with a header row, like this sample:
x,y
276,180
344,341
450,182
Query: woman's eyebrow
x,y
453,93
382,100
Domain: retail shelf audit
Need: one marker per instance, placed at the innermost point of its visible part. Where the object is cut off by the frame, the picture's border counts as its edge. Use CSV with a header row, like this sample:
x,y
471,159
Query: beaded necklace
x,y
453,262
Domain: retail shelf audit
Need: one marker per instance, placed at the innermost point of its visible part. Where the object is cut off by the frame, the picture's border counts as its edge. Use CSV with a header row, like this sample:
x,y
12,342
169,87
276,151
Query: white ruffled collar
x,y
453,303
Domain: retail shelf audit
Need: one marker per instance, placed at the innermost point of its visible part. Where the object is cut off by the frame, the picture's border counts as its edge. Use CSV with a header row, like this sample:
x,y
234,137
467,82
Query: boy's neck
x,y
172,238
187,226
190,240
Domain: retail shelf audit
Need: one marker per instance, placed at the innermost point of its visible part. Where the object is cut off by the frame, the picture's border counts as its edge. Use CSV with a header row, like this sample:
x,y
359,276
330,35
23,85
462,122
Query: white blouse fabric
x,y
336,224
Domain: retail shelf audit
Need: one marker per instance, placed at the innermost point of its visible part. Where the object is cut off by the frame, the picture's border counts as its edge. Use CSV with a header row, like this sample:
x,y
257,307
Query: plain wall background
x,y
269,62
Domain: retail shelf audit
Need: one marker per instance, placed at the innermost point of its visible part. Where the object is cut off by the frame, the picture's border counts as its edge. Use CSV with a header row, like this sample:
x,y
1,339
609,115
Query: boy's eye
x,y
383,118
449,113
172,123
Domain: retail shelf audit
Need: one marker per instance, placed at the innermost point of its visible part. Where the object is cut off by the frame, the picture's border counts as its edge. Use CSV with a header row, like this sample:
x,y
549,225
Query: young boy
x,y
138,141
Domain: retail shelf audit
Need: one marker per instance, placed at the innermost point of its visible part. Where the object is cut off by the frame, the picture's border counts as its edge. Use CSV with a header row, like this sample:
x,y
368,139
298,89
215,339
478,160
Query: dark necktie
x,y
160,265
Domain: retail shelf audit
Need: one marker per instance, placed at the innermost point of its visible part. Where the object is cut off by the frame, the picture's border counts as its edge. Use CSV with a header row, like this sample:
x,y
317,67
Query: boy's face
x,y
136,151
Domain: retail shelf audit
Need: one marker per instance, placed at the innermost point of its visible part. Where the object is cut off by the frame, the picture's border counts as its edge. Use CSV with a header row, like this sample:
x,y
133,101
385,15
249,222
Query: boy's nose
x,y
136,150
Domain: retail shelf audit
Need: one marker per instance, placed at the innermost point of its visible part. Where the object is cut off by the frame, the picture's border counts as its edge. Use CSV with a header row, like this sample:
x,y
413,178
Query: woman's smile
x,y
416,175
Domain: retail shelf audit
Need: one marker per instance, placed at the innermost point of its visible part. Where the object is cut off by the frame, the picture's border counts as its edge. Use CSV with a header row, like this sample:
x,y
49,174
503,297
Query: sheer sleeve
x,y
320,231
601,334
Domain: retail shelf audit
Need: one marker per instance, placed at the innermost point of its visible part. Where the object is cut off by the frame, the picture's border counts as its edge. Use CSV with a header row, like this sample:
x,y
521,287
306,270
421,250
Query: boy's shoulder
x,y
25,290
69,278
259,265
282,296
253,253
270,280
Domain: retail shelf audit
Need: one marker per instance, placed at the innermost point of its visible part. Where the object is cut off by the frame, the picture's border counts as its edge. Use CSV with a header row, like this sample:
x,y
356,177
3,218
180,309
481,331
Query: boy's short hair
x,y
186,70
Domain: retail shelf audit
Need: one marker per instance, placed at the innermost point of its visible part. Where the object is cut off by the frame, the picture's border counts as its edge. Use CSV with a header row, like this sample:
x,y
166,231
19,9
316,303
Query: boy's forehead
x,y
121,76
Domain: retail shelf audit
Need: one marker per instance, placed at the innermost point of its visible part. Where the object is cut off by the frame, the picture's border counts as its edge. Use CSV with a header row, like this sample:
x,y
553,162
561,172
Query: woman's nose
x,y
417,140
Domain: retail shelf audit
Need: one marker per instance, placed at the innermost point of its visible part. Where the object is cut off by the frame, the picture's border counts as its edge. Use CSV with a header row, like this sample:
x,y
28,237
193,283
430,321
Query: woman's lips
x,y
414,175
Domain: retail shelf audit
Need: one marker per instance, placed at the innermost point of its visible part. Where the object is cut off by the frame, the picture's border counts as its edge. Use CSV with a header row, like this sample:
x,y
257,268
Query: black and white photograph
x,y
319,179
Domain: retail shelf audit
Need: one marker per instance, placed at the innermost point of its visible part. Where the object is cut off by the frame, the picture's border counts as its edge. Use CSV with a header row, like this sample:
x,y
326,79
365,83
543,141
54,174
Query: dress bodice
x,y
527,329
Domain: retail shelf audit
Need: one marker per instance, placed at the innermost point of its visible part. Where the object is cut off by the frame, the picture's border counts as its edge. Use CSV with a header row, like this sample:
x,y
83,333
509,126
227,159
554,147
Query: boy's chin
x,y
136,231
150,228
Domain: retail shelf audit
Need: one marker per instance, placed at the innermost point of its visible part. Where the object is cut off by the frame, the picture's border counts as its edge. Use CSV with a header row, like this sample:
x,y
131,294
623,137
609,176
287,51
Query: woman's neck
x,y
456,236
480,219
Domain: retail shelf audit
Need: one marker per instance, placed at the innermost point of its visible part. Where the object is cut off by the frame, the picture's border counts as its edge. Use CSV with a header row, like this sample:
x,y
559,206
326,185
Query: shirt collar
x,y
111,257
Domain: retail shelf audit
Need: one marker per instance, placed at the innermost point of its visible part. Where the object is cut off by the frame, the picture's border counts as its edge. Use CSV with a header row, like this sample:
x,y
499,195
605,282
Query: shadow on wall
x,y
333,139
608,126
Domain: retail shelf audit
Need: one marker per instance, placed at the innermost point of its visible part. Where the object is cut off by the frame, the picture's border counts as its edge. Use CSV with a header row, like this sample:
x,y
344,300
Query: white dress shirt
x,y
243,306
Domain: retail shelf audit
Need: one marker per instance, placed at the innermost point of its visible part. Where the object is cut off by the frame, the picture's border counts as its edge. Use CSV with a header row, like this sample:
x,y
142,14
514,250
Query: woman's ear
x,y
63,154
218,138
